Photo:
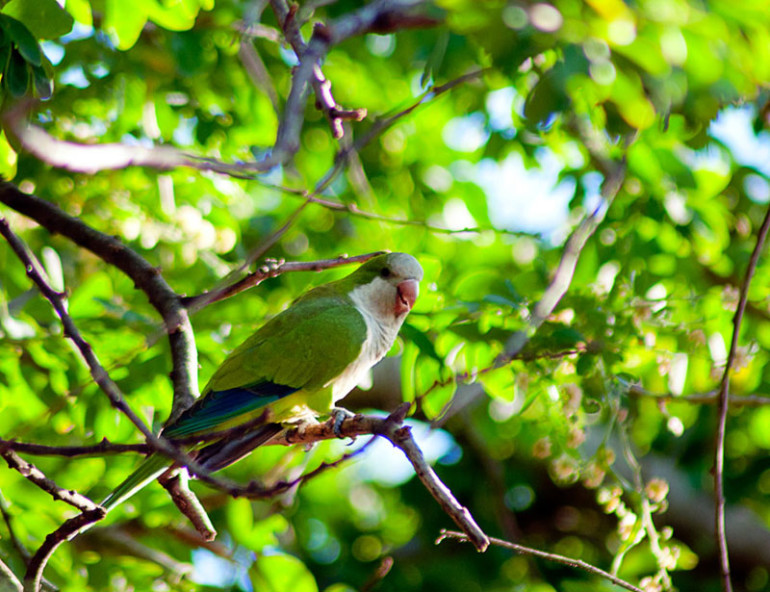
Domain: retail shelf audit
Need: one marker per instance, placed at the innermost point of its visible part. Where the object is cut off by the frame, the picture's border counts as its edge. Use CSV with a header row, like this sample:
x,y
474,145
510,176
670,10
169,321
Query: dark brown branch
x,y
391,428
36,476
147,278
98,373
568,561
271,270
102,448
66,532
724,402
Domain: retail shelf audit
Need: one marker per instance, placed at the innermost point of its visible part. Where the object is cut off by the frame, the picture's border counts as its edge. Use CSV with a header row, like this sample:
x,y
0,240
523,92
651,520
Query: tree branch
x,y
391,428
562,278
99,374
102,448
36,476
188,504
379,16
66,532
568,561
724,402
272,269
708,398
147,278
8,579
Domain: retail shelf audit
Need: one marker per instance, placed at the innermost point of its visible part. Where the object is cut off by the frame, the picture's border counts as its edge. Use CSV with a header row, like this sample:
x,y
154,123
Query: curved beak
x,y
407,292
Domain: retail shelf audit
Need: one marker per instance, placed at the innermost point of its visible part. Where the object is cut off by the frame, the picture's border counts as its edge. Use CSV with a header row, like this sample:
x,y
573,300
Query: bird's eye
x,y
385,272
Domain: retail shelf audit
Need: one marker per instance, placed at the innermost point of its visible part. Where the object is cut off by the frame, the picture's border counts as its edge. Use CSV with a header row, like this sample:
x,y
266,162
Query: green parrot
x,y
297,365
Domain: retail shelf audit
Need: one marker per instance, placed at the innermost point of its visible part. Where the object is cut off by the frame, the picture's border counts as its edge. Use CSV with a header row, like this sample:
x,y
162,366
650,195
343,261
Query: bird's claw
x,y
338,415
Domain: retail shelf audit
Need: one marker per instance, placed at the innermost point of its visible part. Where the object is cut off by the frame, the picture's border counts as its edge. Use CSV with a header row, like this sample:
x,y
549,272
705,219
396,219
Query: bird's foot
x,y
338,415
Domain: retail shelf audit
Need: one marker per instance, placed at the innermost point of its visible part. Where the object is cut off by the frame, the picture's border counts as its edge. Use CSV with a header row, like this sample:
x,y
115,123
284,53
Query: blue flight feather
x,y
217,407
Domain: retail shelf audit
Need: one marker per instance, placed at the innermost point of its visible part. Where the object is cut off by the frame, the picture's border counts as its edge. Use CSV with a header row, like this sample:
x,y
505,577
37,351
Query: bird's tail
x,y
149,470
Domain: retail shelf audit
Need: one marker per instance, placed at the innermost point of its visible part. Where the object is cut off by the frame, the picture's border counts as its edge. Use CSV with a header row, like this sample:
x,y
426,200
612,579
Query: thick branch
x,y
147,278
390,428
188,504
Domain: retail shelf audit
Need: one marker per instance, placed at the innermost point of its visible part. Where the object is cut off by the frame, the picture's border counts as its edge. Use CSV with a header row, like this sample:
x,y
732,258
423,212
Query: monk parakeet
x,y
297,365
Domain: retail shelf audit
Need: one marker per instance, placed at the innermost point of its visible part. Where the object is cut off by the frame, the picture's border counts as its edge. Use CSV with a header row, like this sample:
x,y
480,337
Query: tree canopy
x,y
585,184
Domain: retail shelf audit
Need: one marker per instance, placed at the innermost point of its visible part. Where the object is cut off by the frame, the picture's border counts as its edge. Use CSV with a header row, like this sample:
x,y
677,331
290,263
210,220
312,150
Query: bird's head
x,y
388,285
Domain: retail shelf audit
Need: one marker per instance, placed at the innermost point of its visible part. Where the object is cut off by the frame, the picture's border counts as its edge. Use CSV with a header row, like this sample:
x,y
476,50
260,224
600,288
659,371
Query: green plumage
x,y
304,347
296,364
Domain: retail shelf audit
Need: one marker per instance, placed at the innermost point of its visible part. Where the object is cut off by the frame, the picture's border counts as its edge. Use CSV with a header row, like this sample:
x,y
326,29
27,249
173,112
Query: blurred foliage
x,y
564,449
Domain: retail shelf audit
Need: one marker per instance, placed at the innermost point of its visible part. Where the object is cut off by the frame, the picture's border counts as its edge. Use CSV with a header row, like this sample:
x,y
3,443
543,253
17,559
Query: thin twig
x,y
8,519
8,579
708,398
57,300
271,270
562,278
102,448
724,402
195,304
568,561
383,569
373,17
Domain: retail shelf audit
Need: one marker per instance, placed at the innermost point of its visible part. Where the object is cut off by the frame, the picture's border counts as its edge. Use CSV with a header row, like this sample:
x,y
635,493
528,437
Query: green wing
x,y
302,349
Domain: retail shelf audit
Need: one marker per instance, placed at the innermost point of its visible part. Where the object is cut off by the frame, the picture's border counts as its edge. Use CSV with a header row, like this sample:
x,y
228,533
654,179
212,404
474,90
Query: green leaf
x,y
253,535
278,573
5,55
435,59
422,341
44,18
17,75
124,22
43,84
81,11
24,40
